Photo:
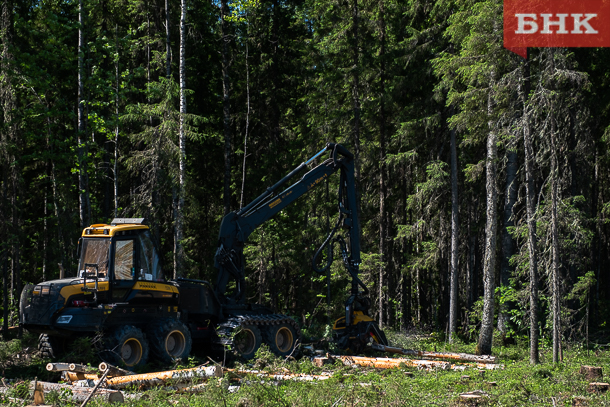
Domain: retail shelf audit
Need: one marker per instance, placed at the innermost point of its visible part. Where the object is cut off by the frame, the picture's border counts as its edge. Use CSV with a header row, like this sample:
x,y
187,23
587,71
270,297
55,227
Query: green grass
x,y
518,384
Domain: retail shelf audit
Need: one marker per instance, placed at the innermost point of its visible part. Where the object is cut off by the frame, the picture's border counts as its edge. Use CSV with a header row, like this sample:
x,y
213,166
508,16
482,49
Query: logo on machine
x,y
275,203
316,182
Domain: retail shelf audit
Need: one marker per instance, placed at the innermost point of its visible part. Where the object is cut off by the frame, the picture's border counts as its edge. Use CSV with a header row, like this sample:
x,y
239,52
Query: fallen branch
x,y
95,389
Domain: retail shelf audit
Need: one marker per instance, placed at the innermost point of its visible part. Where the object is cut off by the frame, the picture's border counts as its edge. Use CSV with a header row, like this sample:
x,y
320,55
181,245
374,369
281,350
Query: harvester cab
x,y
118,290
118,256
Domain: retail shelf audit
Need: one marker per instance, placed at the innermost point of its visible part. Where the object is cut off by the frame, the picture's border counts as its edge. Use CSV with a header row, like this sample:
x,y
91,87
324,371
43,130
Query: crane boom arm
x,y
237,226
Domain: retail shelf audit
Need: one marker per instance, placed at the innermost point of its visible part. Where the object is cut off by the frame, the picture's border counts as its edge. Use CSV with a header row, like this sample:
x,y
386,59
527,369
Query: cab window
x,y
95,251
149,260
124,266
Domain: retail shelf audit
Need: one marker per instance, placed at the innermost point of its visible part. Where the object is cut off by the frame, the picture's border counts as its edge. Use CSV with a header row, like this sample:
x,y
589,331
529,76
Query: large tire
x,y
127,346
51,346
170,340
281,339
247,341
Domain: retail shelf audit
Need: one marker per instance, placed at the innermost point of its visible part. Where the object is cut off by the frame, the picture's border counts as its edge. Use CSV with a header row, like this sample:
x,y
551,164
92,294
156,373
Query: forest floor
x,y
516,384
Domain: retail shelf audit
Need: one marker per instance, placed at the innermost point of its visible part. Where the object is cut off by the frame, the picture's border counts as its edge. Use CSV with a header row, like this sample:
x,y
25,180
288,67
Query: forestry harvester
x,y
120,292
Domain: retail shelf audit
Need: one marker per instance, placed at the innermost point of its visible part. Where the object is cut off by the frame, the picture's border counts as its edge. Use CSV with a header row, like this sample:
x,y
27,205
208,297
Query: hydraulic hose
x,y
328,243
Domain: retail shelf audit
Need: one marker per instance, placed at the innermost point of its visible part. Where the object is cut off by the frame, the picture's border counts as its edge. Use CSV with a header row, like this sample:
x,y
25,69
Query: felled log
x,y
58,367
591,372
461,357
75,367
279,376
70,376
389,363
113,371
160,378
487,366
80,394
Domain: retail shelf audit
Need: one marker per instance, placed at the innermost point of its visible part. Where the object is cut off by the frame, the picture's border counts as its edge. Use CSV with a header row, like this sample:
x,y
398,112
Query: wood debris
x,y
80,394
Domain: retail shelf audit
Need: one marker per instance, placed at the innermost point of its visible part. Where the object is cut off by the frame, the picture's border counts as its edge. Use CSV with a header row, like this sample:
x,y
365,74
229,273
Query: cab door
x,y
124,273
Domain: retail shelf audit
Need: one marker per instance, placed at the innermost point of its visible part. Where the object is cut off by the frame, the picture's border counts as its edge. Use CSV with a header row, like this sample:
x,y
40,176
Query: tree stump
x,y
321,361
473,398
38,394
579,402
597,387
591,372
469,399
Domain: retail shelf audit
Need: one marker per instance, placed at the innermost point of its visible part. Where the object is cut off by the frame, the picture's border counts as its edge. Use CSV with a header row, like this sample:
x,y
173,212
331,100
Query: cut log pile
x,y
420,364
107,381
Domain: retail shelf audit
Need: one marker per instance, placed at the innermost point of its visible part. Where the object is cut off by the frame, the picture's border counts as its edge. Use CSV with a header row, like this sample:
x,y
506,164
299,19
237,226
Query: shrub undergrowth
x,y
517,384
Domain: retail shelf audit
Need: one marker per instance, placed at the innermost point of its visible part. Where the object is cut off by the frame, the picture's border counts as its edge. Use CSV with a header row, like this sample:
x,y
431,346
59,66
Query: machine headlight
x,y
64,319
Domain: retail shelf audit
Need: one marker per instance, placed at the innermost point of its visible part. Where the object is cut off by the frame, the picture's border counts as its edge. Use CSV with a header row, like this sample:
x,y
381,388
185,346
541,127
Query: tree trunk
x,y
510,198
116,129
382,168
226,105
555,248
179,267
356,93
83,179
531,220
16,239
243,168
4,243
486,335
168,49
455,229
10,147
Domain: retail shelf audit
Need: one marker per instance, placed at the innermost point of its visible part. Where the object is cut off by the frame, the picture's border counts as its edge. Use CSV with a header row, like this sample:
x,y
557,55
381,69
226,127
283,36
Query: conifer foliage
x,y
482,177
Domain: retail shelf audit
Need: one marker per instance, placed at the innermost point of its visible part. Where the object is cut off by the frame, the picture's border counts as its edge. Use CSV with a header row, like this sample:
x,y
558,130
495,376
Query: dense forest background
x,y
474,165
